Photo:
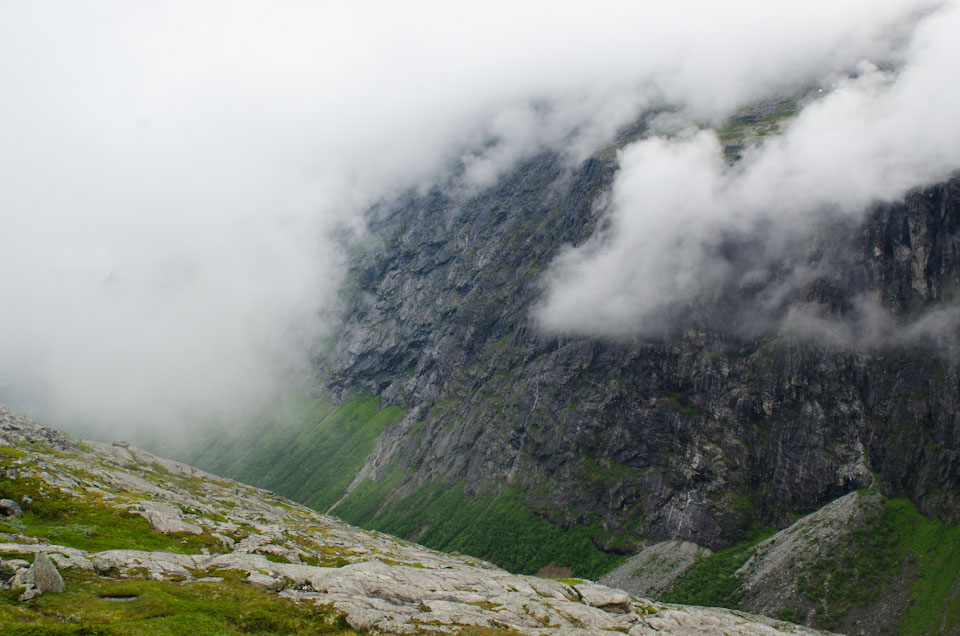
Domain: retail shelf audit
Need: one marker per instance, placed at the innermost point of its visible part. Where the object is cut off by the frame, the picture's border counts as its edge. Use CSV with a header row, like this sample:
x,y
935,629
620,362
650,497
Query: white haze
x,y
177,176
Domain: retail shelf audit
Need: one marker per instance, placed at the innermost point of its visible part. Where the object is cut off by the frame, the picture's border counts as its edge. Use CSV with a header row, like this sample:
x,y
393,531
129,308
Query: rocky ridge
x,y
373,582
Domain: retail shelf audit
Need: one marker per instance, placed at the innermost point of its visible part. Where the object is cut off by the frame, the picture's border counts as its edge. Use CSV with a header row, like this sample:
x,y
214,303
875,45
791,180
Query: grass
x,y
856,572
712,580
162,608
678,402
499,528
748,123
853,573
934,548
302,448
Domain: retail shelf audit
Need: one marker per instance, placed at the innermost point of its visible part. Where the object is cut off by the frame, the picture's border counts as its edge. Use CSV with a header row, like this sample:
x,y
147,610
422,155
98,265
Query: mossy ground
x,y
162,608
88,522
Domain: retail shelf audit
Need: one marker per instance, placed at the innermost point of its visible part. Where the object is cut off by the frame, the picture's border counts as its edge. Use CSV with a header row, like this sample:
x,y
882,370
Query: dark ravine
x,y
703,432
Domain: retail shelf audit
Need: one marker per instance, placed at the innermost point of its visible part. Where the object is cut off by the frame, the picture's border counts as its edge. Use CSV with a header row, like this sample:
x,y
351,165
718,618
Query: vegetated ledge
x,y
258,563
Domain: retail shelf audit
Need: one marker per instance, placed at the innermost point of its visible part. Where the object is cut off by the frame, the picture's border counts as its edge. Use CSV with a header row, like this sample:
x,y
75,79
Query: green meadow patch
x,y
163,608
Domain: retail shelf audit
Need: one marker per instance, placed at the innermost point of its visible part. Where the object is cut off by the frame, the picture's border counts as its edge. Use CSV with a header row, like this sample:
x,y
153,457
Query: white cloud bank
x,y
871,138
174,174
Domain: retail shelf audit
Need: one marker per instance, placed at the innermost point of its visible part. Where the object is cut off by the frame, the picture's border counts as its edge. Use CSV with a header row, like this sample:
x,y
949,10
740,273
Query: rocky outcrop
x,y
862,564
375,582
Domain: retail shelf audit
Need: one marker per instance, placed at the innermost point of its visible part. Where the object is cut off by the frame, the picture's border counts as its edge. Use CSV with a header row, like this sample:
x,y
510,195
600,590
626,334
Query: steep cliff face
x,y
734,415
755,403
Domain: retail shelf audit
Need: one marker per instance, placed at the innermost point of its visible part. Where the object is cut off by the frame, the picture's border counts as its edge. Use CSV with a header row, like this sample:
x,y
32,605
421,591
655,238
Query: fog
x,y
180,178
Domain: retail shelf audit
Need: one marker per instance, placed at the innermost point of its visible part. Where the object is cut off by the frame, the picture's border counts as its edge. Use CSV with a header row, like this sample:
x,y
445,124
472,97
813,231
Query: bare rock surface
x,y
653,569
375,581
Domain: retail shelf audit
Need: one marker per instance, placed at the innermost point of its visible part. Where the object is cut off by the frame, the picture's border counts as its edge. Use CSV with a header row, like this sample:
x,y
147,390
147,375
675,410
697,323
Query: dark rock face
x,y
726,418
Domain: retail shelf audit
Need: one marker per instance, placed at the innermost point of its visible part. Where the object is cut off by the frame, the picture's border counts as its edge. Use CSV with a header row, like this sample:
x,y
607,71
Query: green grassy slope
x,y
302,448
132,607
309,450
497,527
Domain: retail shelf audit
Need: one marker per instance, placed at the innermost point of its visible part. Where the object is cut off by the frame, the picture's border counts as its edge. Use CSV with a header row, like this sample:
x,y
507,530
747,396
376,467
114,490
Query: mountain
x,y
444,414
109,539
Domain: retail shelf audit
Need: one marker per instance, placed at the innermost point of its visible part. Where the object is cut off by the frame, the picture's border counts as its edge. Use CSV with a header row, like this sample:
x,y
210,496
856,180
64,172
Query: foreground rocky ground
x,y
106,514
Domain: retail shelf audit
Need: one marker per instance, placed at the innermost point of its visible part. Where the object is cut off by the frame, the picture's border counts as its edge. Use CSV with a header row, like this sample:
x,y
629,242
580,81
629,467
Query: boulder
x,y
10,508
603,597
167,518
265,581
45,575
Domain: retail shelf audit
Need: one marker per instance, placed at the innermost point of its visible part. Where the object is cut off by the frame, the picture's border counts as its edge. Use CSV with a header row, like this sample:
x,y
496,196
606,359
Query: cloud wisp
x,y
872,137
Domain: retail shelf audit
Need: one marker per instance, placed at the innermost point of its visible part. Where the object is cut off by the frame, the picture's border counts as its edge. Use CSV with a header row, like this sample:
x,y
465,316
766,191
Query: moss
x,y
210,608
11,451
678,402
89,523
570,581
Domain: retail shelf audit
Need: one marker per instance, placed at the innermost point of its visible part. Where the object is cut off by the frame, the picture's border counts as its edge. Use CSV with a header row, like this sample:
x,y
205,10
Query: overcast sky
x,y
173,172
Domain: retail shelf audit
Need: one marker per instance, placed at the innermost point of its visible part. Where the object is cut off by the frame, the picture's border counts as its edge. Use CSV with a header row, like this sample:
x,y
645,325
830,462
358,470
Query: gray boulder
x,y
603,597
45,575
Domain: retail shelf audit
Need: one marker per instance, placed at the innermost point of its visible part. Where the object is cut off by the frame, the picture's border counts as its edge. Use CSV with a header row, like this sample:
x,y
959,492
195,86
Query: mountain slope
x,y
147,545
567,452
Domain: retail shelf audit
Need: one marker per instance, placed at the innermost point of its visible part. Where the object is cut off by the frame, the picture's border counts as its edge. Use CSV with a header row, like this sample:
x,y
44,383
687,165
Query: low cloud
x,y
178,177
872,136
